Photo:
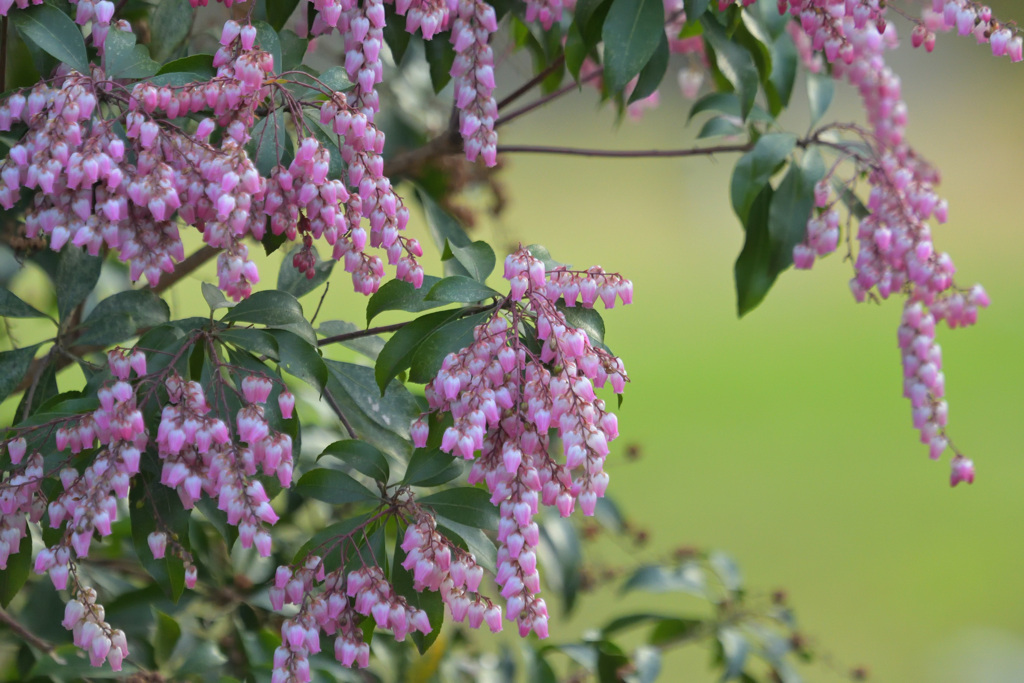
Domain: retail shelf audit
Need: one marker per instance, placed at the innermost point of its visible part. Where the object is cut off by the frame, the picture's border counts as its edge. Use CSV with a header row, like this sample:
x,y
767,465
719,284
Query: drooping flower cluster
x,y
84,617
504,399
337,608
895,251
473,76
21,500
967,17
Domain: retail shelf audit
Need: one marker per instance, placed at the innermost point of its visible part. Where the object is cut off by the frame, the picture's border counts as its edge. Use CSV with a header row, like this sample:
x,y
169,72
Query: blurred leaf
x,y
445,230
460,289
720,125
174,19
125,59
360,456
77,272
610,661
273,308
784,65
672,629
257,342
820,89
727,571
427,600
336,79
727,103
266,39
537,668
13,577
122,316
686,578
267,142
755,169
561,558
431,467
290,280
395,34
465,505
653,73
791,207
55,33
215,298
440,57
279,11
647,662
198,67
632,32
14,366
149,501
204,656
734,61
735,648
576,51
396,295
753,269
301,359
71,663
449,338
609,515
695,8
628,621
13,307
368,345
397,354
332,486
165,638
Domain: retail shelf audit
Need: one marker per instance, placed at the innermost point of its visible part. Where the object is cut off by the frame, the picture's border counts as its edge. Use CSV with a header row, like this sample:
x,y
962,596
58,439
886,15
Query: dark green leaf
x,y
77,273
695,8
290,280
440,56
361,457
784,64
301,359
274,309
124,59
398,352
720,125
55,33
173,20
268,142
791,208
167,338
279,11
734,61
755,169
394,411
14,366
576,51
323,537
395,295
727,103
122,316
148,501
672,629
257,342
427,600
13,577
203,657
465,505
820,88
449,338
477,259
215,298
686,578
753,269
653,73
586,319
561,557
443,226
266,39
368,345
538,670
165,638
479,545
13,307
544,256
632,32
628,621
200,66
293,49
332,486
395,34
336,79
71,663
45,389
432,467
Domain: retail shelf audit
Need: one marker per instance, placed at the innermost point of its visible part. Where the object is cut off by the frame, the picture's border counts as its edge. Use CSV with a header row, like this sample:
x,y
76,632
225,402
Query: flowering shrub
x,y
183,449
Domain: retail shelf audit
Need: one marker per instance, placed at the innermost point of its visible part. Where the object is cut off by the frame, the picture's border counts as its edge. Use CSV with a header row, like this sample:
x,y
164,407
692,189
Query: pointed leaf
x,y
432,467
301,359
734,61
398,352
77,274
820,88
631,33
332,486
369,345
449,338
266,39
121,316
13,307
755,169
14,576
475,541
686,578
174,21
273,308
53,32
215,298
14,366
279,11
653,73
124,59
360,456
465,505
396,295
753,269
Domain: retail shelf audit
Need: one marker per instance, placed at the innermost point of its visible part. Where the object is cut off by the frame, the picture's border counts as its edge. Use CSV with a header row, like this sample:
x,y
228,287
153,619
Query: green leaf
x,y
720,125
332,486
13,307
279,11
257,342
215,298
449,338
653,73
479,545
393,412
427,600
784,65
695,8
432,467
266,39
576,50
631,33
561,557
290,280
586,319
647,661
398,352
14,366
268,142
77,274
167,633
820,89
465,505
336,79
203,657
13,577
122,316
541,253
329,139
395,34
753,269
124,59
293,48
71,663
147,495
173,19
368,345
440,57
686,578
672,629
53,32
477,259
734,61
396,295
301,359
360,456
324,536
443,226
791,207
755,169
727,103
727,571
273,308
199,66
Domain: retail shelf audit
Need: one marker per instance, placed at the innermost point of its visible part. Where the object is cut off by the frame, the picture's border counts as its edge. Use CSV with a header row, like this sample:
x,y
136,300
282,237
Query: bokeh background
x,y
783,438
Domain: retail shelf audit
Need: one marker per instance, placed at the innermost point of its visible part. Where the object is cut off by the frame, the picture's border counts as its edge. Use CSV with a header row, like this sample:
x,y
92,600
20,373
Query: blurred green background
x,y
783,438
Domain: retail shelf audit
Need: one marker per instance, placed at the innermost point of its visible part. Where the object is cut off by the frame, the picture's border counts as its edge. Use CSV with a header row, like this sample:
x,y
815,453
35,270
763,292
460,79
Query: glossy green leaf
x,y
465,505
273,308
734,61
279,11
440,57
125,59
792,204
300,359
296,283
321,539
77,274
268,142
753,271
444,229
13,307
653,72
398,352
174,21
576,51
477,259
166,636
198,67
784,66
820,89
395,295
14,576
149,500
121,317
755,169
631,33
432,467
541,253
256,342
361,457
395,34
266,39
293,49
14,366
369,345
215,298
449,338
332,486
673,629
392,412
686,578
586,319
55,33
427,600
695,8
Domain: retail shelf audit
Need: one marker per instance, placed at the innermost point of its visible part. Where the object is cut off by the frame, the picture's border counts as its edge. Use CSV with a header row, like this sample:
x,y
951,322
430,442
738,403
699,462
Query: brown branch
x,y
29,637
624,153
526,109
361,333
341,416
536,80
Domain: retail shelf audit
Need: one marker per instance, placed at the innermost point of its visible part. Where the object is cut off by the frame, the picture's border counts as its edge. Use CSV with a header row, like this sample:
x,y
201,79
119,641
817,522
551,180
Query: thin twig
x,y
29,637
361,333
536,80
186,268
341,416
323,296
3,53
513,115
624,153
